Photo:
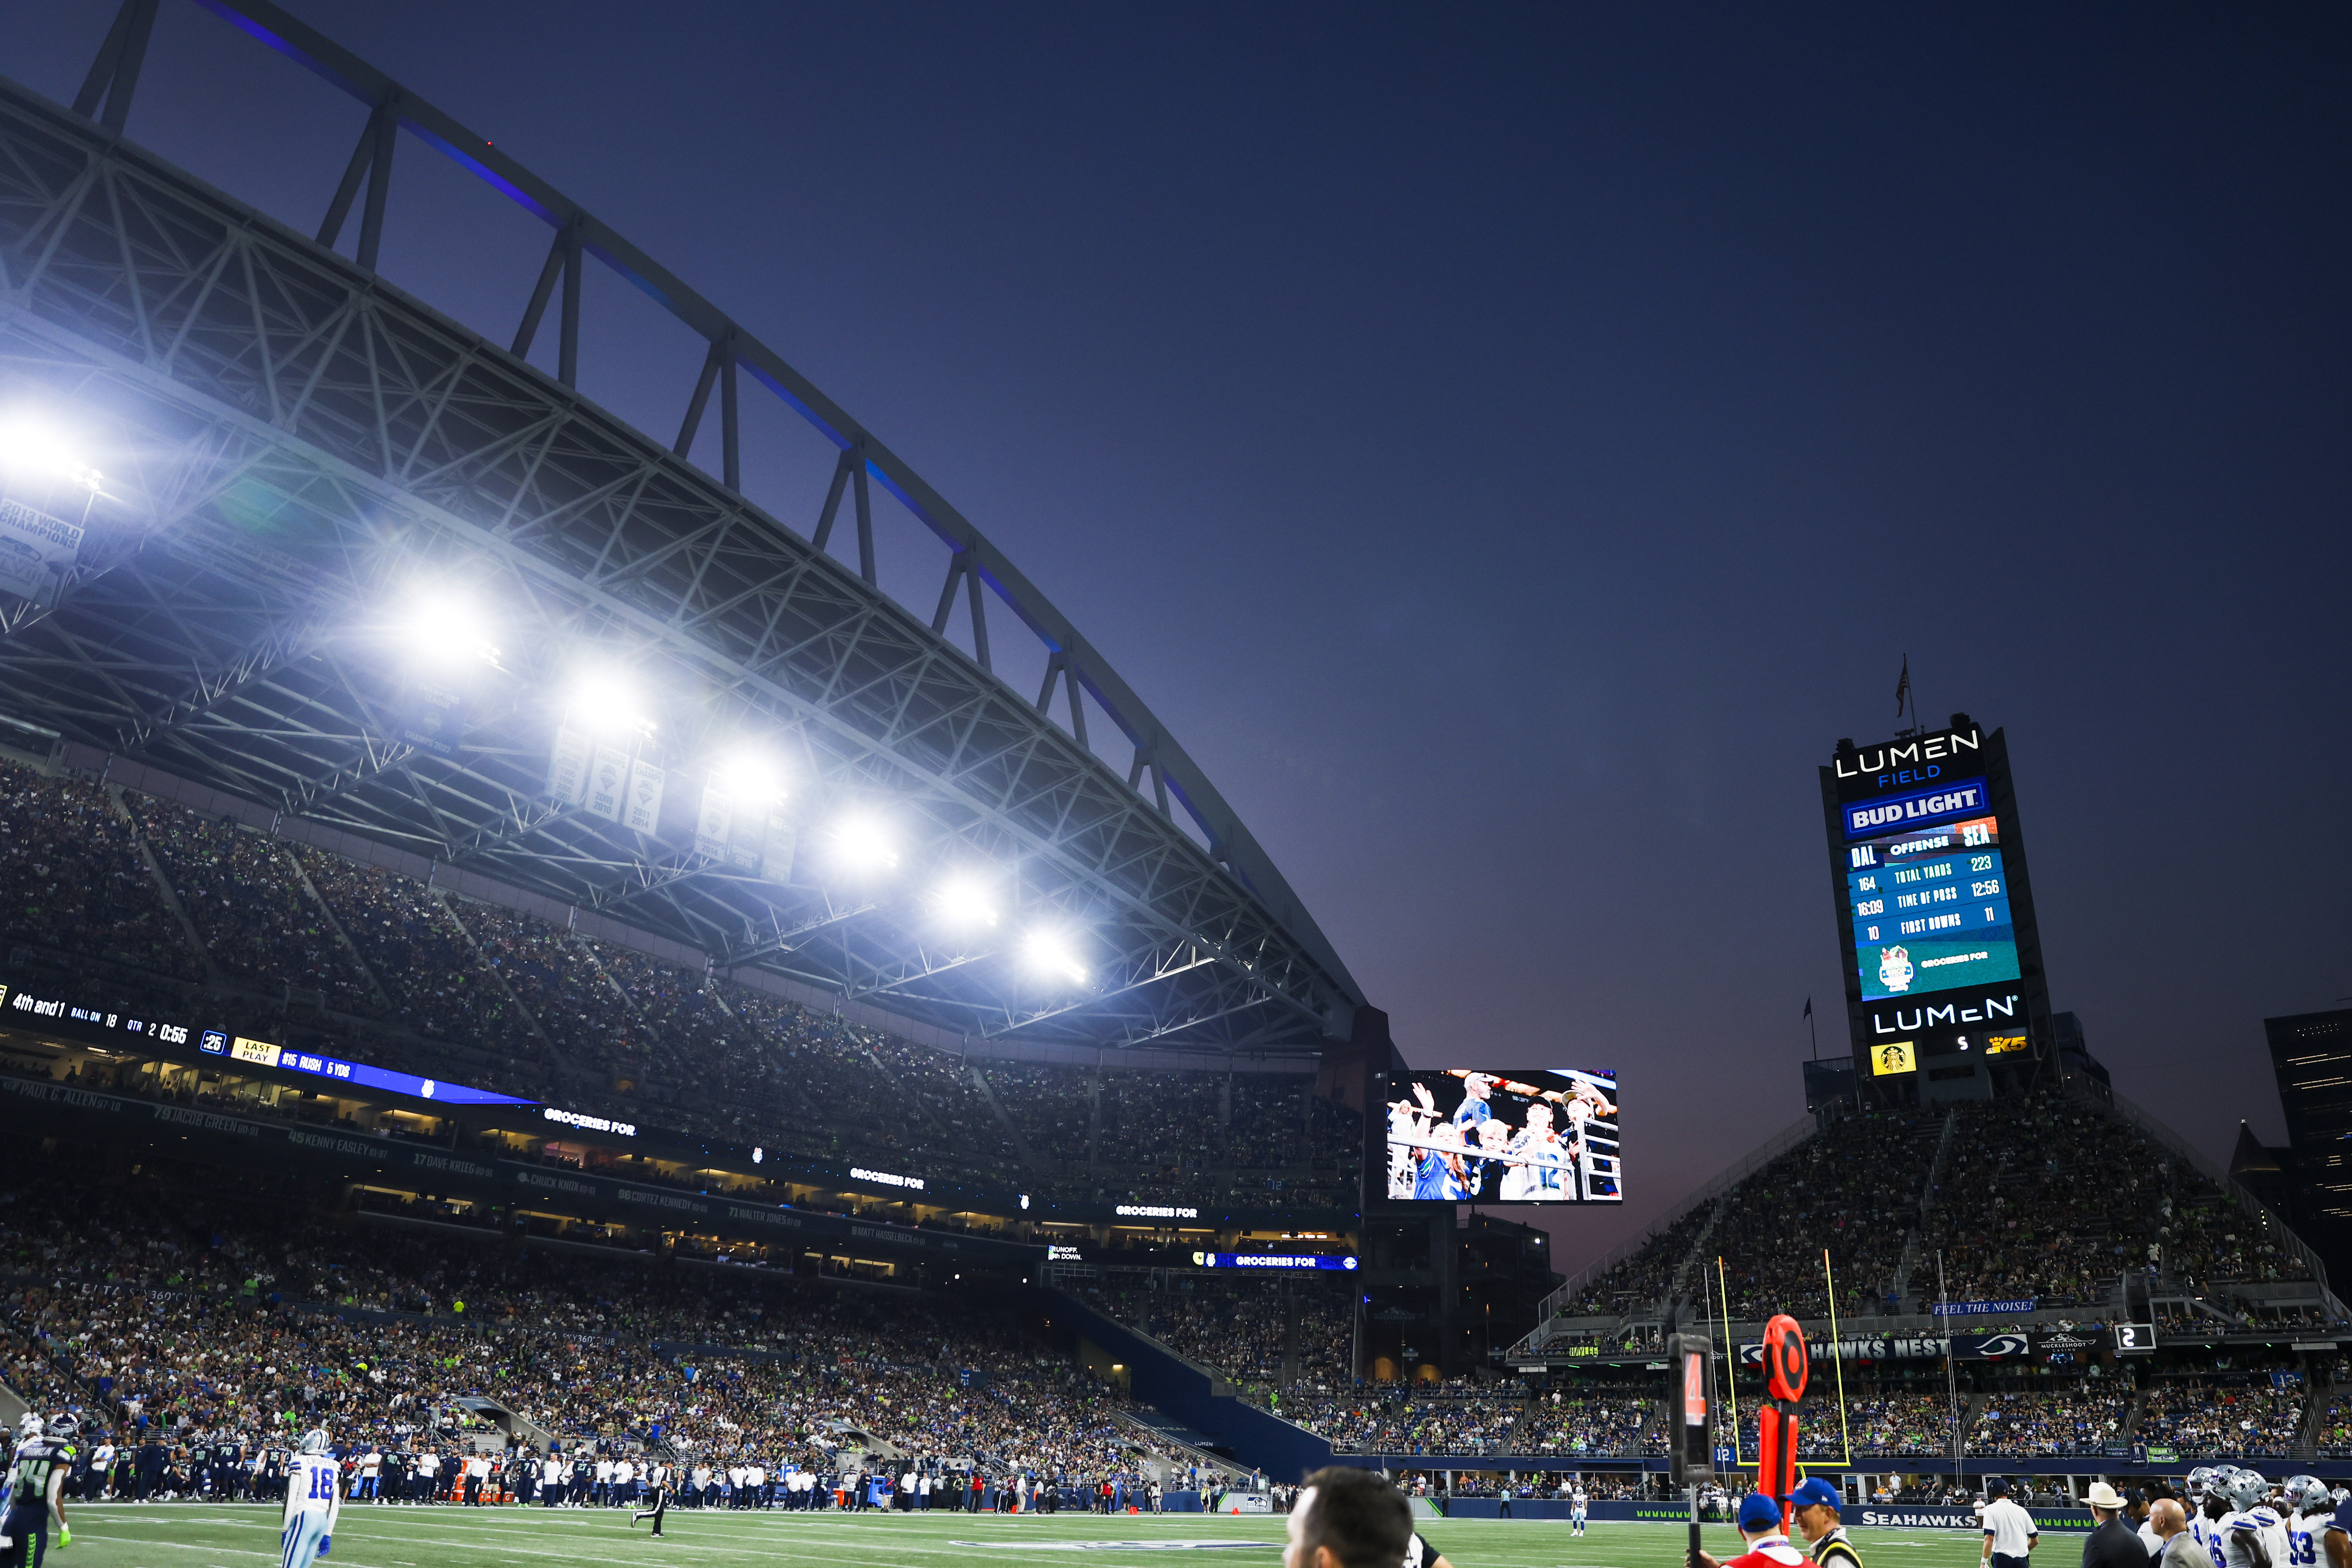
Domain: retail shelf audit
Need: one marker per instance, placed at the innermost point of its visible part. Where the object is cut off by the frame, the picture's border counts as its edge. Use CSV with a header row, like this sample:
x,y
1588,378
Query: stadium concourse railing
x,y
1771,1149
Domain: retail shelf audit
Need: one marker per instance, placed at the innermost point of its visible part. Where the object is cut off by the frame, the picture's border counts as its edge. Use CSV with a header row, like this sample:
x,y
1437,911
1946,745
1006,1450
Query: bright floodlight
x,y
444,627
1050,953
31,446
608,703
863,842
749,776
966,902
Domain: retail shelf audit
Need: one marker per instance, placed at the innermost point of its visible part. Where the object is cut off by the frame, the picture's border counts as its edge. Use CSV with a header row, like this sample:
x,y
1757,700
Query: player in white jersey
x,y
2207,1508
314,1501
2309,1510
2252,1534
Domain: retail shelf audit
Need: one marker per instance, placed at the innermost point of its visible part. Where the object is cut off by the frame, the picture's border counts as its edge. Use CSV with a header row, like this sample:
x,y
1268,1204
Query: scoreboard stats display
x,y
1939,939
1929,902
1516,1136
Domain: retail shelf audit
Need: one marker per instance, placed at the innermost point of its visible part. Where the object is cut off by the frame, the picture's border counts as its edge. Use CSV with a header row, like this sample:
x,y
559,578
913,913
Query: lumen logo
x,y
1897,755
1901,1020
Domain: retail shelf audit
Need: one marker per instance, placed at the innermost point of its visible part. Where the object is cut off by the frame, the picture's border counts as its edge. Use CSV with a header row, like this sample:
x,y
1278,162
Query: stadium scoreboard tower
x,y
1943,985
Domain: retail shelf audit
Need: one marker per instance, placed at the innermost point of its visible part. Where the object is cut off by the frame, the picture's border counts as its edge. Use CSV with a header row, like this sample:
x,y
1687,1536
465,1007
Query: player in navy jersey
x,y
35,1487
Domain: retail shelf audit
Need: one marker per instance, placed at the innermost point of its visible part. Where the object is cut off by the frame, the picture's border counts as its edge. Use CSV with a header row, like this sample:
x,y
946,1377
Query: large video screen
x,y
1930,904
1467,1135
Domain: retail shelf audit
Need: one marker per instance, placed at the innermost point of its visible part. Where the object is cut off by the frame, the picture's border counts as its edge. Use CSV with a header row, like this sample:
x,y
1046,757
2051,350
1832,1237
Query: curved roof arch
x,y
296,442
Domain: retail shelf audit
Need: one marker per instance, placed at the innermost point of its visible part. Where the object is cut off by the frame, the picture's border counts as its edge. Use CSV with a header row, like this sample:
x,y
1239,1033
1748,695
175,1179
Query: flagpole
x,y
1813,1029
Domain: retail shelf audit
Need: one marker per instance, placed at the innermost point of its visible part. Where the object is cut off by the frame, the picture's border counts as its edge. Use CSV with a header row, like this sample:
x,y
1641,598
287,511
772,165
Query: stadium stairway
x,y
508,1420
1191,1393
1020,1145
1179,1442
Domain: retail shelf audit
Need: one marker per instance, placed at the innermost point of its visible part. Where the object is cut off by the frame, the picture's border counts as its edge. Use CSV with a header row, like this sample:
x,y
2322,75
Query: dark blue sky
x,y
1510,445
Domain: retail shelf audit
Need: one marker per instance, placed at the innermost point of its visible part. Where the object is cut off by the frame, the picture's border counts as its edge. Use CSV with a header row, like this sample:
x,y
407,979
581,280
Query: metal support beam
x,y
697,404
979,609
864,527
730,429
833,500
946,595
567,348
385,132
114,75
370,162
1078,707
541,292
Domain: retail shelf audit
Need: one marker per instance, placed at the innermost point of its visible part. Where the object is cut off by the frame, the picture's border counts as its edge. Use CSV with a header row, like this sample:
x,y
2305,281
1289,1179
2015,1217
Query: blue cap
x,y
1996,1487
1816,1493
1759,1512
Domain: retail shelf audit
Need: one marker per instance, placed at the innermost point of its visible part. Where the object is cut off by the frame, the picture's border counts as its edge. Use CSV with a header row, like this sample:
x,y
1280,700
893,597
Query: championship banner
x,y
711,823
37,551
776,848
434,717
641,806
567,768
608,778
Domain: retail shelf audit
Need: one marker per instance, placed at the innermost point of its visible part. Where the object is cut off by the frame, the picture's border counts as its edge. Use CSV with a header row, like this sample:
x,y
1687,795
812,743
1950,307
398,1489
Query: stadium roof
x,y
311,480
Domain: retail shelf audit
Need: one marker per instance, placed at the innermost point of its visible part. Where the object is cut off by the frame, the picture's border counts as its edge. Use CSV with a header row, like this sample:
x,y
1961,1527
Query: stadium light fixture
x,y
607,702
1050,953
863,844
965,901
31,446
445,627
750,777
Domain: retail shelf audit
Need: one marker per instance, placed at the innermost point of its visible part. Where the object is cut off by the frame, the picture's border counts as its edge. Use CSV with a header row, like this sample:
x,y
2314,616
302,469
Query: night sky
x,y
1510,446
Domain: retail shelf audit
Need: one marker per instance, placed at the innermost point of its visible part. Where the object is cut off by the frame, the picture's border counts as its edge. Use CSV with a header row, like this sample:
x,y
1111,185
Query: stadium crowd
x,y
2033,1423
209,1318
1244,1327
2260,1416
315,951
2041,1197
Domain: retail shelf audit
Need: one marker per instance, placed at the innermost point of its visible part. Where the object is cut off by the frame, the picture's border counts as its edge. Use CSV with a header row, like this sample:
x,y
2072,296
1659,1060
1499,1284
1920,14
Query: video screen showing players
x,y
1467,1135
1930,910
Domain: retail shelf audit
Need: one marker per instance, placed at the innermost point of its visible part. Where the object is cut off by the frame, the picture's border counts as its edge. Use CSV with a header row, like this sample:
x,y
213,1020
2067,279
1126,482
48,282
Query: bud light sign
x,y
1875,818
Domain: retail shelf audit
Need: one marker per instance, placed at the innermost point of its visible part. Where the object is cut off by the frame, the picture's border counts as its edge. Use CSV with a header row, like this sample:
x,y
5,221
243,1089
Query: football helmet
x,y
314,1441
63,1426
2247,1489
28,1428
2200,1480
2306,1494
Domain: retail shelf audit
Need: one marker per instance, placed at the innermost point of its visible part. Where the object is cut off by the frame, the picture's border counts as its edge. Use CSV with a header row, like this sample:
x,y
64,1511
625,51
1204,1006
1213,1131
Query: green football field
x,y
173,1536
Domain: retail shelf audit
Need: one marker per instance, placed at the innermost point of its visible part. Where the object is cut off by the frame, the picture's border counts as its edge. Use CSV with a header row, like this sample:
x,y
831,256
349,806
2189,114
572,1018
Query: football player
x,y
314,1501
2252,1534
2201,1493
36,1487
2308,1511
